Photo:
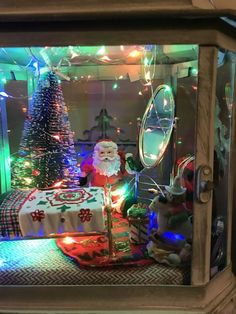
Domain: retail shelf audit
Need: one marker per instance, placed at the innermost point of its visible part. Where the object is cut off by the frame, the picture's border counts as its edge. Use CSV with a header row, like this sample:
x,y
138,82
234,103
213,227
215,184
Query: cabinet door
x,y
204,157
192,137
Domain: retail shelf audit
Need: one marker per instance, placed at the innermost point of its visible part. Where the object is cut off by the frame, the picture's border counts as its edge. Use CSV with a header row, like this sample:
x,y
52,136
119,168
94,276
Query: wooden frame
x,y
213,32
201,297
80,9
204,156
112,299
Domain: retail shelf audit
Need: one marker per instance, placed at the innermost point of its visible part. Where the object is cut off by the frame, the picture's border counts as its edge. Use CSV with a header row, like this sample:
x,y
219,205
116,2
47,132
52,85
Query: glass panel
x,y
223,124
76,196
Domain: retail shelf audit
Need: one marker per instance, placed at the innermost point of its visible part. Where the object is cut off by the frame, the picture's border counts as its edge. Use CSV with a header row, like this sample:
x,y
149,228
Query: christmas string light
x,y
72,54
59,57
101,51
134,54
105,59
149,66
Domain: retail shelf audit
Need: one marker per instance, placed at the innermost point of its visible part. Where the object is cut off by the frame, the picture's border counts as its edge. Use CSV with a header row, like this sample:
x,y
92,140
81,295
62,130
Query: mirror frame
x,y
141,131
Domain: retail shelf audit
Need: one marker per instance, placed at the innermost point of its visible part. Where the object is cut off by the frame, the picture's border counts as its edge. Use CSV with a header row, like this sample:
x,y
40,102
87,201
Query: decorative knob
x,y
204,184
207,186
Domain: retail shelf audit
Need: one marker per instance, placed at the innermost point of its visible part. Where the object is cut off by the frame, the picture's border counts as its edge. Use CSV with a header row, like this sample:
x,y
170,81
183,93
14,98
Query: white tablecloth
x,y
62,210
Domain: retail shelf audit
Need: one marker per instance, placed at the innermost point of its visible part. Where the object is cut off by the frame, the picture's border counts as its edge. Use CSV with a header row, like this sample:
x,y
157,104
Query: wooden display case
x,y
88,23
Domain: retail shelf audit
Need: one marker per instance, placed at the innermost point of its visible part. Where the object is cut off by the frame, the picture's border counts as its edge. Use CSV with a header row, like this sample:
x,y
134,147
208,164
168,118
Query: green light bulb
x,y
167,88
115,86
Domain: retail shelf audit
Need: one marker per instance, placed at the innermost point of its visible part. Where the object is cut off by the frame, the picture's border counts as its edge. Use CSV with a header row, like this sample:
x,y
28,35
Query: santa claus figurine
x,y
107,166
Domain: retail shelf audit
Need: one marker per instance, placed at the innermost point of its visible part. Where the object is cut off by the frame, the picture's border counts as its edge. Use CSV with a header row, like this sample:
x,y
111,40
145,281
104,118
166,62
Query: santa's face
x,y
106,161
106,153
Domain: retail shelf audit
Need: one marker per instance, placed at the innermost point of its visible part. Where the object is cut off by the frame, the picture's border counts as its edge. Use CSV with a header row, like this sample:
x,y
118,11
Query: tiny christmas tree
x,y
46,156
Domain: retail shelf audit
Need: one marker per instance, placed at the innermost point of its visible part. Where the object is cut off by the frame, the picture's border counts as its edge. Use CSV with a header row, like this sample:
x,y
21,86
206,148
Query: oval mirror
x,y
156,126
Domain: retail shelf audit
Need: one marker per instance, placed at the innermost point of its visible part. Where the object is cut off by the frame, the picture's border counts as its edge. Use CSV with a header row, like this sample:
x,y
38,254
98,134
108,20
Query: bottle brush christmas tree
x,y
46,156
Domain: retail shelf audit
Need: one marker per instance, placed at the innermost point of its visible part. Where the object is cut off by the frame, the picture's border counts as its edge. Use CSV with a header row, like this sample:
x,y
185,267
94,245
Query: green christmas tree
x,y
46,156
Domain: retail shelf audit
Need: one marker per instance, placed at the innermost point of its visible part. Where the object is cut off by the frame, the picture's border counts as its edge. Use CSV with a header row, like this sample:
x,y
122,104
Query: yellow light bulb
x,y
28,180
68,240
134,54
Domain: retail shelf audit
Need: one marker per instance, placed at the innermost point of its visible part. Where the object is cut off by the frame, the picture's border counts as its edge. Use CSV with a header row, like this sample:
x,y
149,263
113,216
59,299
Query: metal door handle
x,y
207,186
204,184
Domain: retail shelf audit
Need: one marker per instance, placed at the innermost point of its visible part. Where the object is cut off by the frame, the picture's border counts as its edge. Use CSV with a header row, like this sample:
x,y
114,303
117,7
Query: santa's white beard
x,y
107,167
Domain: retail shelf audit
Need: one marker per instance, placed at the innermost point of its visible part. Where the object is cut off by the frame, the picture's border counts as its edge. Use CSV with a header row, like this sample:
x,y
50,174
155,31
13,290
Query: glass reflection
x,y
222,142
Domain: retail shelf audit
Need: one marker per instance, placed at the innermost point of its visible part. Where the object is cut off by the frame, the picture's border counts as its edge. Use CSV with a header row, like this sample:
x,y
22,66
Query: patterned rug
x,y
41,262
94,250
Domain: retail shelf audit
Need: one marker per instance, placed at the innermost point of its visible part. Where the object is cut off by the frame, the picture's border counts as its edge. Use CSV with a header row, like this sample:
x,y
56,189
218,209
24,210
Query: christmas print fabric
x,y
62,210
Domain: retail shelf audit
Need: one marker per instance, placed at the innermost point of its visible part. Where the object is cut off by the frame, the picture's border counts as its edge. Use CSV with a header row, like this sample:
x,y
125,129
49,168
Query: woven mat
x,y
40,262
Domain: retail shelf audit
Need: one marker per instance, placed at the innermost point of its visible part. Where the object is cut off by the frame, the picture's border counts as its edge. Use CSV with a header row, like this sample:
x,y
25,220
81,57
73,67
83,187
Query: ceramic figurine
x,y
172,214
108,167
169,244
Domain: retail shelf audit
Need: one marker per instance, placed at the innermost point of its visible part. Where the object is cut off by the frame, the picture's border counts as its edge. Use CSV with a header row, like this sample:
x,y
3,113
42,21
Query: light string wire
x,y
12,60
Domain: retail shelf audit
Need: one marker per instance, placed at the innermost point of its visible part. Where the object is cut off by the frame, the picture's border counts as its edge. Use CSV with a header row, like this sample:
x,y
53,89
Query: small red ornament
x,y
35,172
